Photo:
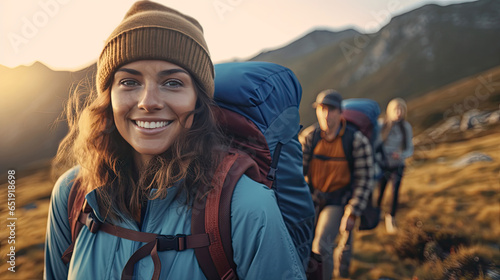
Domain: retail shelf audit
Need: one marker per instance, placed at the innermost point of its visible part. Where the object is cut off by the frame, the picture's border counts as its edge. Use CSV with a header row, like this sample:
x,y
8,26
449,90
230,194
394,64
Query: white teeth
x,y
151,124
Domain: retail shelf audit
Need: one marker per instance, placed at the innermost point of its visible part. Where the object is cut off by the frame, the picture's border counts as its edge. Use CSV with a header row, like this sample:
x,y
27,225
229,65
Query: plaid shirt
x,y
362,181
363,173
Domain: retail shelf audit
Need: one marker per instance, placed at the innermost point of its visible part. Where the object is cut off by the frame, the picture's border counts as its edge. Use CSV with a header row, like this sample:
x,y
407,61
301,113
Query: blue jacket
x,y
262,245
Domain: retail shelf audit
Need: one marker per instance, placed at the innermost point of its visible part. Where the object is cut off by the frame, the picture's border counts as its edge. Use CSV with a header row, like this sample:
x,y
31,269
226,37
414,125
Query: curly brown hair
x,y
106,161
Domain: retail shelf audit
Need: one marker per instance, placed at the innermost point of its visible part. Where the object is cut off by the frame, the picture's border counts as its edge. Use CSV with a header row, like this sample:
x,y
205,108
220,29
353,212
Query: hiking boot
x,y
390,224
344,270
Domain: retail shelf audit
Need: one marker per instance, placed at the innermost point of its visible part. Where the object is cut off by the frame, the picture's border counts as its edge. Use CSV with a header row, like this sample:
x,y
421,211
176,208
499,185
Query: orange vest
x,y
329,169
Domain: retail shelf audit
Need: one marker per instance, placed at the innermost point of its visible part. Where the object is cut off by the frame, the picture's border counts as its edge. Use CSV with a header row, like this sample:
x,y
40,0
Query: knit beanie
x,y
151,31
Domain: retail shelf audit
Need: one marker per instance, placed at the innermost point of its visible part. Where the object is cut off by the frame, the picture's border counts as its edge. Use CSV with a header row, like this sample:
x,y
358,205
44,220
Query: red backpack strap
x,y
212,214
76,199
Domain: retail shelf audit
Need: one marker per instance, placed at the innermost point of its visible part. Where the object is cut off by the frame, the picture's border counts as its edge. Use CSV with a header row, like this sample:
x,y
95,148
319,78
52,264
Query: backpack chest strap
x,y
154,242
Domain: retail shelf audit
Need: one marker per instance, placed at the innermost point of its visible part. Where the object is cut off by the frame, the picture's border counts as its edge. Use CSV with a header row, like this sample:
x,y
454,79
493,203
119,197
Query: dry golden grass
x,y
33,190
434,193
437,195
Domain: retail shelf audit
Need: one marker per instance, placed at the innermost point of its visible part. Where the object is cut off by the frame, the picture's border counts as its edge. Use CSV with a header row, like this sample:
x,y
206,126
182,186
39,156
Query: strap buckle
x,y
272,174
230,275
171,242
92,222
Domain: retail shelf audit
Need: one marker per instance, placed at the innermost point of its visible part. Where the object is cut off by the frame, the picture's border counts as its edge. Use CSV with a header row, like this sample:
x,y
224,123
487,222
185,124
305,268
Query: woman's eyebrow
x,y
172,71
130,71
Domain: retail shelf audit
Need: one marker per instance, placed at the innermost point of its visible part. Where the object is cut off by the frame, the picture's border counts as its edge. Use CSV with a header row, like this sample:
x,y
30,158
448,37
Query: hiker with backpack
x,y
338,165
396,134
153,169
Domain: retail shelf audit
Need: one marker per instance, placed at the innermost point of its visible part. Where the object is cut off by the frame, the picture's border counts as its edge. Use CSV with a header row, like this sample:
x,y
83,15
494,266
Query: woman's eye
x,y
129,83
172,83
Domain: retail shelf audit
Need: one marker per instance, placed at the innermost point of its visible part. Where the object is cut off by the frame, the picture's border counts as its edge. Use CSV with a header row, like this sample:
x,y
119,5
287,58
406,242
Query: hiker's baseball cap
x,y
328,97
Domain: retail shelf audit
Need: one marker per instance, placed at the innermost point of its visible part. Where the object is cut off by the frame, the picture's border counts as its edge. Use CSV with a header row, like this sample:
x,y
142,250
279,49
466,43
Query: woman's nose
x,y
150,99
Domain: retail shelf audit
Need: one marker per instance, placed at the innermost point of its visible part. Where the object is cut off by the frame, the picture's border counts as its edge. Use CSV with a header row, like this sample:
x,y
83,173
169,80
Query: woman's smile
x,y
151,127
153,124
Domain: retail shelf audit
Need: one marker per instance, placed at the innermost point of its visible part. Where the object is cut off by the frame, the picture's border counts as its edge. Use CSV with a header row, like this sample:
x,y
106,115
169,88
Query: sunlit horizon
x,y
69,34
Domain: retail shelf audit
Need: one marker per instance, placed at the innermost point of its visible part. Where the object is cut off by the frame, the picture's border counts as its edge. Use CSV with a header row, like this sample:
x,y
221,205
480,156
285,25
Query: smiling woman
x,y
152,105
142,152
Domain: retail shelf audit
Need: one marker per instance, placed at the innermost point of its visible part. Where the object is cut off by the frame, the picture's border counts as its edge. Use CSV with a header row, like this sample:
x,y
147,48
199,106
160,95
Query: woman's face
x,y
397,113
151,101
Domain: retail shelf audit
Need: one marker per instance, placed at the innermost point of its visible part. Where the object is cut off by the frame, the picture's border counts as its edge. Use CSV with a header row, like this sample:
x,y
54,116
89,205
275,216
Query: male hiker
x,y
338,164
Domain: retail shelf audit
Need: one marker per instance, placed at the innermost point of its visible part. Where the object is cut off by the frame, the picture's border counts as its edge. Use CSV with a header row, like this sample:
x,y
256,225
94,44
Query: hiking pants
x,y
327,230
394,175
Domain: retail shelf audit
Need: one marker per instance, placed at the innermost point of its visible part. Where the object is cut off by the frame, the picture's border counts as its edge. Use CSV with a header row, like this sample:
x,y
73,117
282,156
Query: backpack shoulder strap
x,y
347,145
315,137
76,200
212,214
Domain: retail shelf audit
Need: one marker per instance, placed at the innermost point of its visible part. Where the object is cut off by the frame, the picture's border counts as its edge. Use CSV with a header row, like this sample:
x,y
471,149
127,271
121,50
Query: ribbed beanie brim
x,y
151,31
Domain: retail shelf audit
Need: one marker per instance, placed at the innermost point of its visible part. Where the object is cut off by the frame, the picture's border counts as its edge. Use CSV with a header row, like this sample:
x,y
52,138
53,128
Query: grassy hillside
x,y
436,197
480,91
33,188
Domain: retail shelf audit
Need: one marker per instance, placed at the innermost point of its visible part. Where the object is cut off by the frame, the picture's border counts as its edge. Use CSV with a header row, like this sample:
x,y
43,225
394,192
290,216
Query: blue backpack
x,y
267,97
362,114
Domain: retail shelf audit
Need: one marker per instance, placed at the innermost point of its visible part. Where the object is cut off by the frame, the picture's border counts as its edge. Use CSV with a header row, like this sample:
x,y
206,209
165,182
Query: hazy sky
x,y
69,34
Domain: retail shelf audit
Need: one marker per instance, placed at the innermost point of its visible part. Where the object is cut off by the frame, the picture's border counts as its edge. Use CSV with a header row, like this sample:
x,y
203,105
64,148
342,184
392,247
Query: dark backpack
x,y
258,110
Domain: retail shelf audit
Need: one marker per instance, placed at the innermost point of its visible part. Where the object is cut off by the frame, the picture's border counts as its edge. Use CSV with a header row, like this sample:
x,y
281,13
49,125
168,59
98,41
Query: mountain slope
x,y
34,97
308,44
416,52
